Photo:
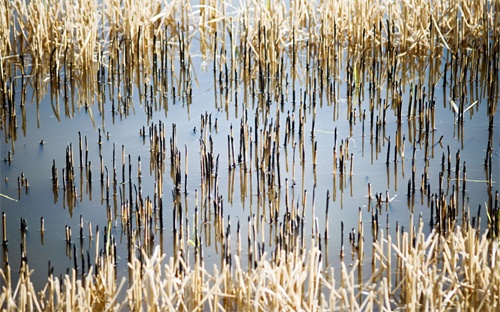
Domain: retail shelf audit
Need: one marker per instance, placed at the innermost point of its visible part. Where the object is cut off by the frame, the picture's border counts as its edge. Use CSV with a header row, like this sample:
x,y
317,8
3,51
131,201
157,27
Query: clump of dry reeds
x,y
417,272
74,43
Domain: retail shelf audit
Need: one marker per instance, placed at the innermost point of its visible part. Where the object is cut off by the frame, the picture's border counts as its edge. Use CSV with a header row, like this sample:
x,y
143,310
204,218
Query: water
x,y
42,138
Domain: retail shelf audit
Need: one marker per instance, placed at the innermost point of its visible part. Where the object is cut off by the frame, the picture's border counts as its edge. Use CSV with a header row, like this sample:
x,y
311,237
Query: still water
x,y
311,182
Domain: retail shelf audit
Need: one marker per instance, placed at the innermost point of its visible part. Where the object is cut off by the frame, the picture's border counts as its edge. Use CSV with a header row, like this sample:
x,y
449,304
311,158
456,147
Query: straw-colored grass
x,y
52,34
73,45
430,273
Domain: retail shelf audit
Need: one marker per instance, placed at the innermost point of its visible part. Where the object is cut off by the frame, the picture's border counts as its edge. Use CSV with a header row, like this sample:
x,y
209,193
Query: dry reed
x,y
66,47
433,272
63,36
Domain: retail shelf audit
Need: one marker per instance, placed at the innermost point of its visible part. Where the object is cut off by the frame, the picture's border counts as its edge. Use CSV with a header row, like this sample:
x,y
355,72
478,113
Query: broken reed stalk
x,y
4,229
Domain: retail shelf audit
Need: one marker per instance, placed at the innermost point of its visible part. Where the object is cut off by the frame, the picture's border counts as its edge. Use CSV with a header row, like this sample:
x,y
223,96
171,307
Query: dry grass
x,y
55,34
120,45
430,273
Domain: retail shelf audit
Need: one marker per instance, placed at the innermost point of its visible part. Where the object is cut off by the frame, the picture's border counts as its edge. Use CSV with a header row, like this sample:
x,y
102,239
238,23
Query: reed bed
x,y
288,60
74,43
424,272
81,54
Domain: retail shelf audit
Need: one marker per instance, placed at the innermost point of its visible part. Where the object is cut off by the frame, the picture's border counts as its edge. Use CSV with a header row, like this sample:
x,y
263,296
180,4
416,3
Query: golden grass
x,y
71,46
431,273
53,34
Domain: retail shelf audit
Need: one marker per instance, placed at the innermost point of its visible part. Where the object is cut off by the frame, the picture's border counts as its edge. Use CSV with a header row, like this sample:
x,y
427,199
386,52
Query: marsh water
x,y
122,121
